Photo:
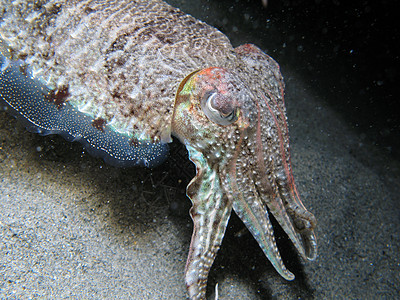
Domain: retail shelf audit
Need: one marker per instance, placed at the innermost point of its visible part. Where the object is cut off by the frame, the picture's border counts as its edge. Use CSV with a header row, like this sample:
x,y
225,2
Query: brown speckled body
x,y
121,60
146,71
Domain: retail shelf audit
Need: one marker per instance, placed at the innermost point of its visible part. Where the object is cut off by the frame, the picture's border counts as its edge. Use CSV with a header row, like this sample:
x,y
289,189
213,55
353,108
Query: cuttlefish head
x,y
238,142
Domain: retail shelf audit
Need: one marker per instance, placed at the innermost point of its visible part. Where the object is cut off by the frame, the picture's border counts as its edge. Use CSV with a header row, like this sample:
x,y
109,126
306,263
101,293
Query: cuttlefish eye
x,y
219,108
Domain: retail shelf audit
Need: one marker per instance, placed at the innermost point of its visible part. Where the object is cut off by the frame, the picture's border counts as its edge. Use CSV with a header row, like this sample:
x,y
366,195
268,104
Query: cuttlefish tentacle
x,y
296,221
270,104
210,213
251,208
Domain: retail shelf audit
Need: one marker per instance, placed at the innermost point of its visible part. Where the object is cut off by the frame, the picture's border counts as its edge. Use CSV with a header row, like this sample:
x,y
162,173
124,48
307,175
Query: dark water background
x,y
348,50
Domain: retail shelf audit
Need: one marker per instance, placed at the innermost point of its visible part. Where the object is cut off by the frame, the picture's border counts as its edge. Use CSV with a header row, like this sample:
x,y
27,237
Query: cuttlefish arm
x,y
210,213
233,123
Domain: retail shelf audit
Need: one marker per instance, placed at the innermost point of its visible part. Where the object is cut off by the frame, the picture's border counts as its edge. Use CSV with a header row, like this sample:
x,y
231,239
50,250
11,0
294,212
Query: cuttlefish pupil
x,y
219,108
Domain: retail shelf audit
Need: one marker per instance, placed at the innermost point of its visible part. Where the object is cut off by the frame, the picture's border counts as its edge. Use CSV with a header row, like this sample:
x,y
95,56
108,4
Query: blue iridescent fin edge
x,y
25,98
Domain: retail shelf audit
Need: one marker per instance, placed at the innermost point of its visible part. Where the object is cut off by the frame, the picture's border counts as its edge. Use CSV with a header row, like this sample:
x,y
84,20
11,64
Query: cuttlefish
x,y
123,77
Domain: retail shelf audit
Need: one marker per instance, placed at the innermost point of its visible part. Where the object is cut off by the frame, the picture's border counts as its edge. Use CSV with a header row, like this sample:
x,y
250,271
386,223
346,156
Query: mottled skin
x,y
146,70
121,60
